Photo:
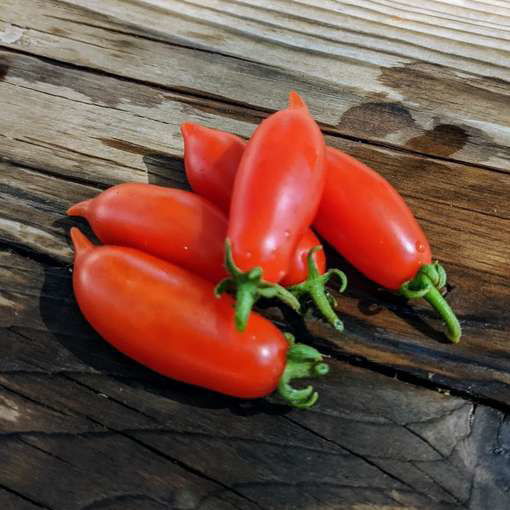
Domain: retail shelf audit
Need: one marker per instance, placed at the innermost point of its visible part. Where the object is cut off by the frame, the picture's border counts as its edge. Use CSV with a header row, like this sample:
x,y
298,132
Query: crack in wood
x,y
164,40
22,439
192,470
28,499
44,405
355,454
113,399
440,485
96,186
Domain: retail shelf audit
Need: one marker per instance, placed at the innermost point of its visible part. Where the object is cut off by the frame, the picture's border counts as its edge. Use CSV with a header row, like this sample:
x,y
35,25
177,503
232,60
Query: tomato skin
x,y
276,192
211,158
171,224
298,267
366,220
169,320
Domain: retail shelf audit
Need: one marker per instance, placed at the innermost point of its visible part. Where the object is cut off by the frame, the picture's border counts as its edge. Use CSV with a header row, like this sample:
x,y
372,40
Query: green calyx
x,y
302,361
314,286
427,284
248,287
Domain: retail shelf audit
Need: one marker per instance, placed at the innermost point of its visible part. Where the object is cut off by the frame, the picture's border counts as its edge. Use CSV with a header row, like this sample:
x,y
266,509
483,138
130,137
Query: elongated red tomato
x,y
172,224
211,158
276,192
167,319
369,223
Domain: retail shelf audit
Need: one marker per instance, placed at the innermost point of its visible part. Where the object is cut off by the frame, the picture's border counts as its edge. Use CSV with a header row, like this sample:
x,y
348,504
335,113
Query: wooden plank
x,y
82,427
56,119
371,441
468,224
402,75
379,327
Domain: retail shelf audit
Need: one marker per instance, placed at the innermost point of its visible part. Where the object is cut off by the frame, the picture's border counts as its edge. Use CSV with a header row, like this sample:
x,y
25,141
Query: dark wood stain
x,y
431,86
4,67
124,146
377,119
166,170
35,71
443,140
428,88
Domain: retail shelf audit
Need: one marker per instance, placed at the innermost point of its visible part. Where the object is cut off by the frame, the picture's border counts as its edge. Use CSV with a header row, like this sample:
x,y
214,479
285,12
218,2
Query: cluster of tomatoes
x,y
174,282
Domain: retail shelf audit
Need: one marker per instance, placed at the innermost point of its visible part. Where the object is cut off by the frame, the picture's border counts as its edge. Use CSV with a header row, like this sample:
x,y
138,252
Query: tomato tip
x,y
79,209
296,101
80,242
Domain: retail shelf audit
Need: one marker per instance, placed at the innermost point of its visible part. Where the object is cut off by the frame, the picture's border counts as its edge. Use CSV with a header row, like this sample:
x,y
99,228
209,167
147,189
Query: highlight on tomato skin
x,y
167,319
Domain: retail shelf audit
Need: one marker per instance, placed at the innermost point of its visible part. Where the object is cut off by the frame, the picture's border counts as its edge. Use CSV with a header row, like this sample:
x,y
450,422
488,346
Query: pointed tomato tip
x,y
187,128
80,242
296,101
79,209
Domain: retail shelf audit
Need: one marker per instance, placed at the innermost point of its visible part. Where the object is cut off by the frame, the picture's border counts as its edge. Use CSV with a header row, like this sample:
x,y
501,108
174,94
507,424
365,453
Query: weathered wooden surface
x,y
92,94
92,427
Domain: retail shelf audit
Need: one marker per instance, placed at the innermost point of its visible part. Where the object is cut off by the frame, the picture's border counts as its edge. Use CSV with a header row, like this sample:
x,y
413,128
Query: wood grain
x,y
92,94
468,226
433,82
69,402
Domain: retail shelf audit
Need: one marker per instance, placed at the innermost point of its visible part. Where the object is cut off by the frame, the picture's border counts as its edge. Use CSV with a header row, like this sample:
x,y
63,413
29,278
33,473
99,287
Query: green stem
x,y
248,287
302,361
245,299
426,284
436,300
314,286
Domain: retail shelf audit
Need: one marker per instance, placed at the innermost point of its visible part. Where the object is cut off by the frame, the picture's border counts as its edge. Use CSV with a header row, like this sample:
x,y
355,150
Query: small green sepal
x,y
302,361
314,286
248,287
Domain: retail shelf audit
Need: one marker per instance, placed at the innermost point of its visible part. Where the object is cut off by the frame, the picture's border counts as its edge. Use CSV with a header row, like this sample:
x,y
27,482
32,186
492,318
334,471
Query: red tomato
x,y
167,319
369,223
172,224
276,192
298,268
211,158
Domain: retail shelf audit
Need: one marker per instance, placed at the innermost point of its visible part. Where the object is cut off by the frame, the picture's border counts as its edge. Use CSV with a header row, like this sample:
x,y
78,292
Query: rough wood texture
x,y
468,227
428,79
92,93
69,402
